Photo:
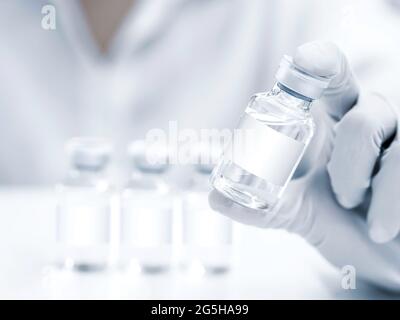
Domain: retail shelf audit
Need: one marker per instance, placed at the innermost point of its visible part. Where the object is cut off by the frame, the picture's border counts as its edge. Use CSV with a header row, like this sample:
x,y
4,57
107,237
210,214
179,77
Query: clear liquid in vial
x,y
285,114
83,228
146,224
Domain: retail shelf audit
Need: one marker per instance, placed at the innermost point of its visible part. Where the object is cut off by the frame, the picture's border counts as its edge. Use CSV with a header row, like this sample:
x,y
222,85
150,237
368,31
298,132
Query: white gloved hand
x,y
330,203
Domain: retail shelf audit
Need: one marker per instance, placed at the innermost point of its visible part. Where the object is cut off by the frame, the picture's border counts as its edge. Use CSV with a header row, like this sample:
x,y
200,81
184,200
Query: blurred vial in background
x,y
83,211
146,210
207,235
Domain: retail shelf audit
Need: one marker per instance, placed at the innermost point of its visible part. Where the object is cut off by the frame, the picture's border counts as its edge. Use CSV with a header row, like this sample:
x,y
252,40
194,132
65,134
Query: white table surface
x,y
267,265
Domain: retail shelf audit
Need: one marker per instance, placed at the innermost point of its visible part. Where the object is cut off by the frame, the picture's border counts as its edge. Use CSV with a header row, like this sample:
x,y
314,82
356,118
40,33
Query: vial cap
x,y
89,152
147,156
299,80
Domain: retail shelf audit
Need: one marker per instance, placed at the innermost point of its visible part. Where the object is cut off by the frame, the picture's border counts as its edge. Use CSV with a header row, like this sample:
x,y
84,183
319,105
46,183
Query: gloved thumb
x,y
325,59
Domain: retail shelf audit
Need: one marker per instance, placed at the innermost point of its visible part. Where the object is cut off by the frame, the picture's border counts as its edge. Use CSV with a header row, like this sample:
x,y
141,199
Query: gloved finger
x,y
384,210
357,147
325,59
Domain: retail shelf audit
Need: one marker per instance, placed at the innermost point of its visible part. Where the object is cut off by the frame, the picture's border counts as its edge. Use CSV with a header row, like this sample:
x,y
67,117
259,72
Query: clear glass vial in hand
x,y
146,210
83,210
270,140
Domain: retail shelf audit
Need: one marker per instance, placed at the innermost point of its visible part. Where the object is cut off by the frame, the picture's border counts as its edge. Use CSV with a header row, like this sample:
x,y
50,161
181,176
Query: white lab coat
x,y
196,62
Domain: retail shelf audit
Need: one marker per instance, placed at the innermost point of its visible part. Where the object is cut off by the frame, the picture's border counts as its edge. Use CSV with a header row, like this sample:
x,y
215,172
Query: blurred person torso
x,y
193,62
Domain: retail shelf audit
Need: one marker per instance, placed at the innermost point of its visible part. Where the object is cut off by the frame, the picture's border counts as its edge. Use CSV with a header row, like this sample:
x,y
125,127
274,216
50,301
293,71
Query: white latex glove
x,y
321,205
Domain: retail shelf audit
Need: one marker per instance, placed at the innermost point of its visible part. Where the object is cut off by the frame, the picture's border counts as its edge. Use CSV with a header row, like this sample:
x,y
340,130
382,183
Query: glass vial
x,y
270,140
146,210
83,210
207,235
